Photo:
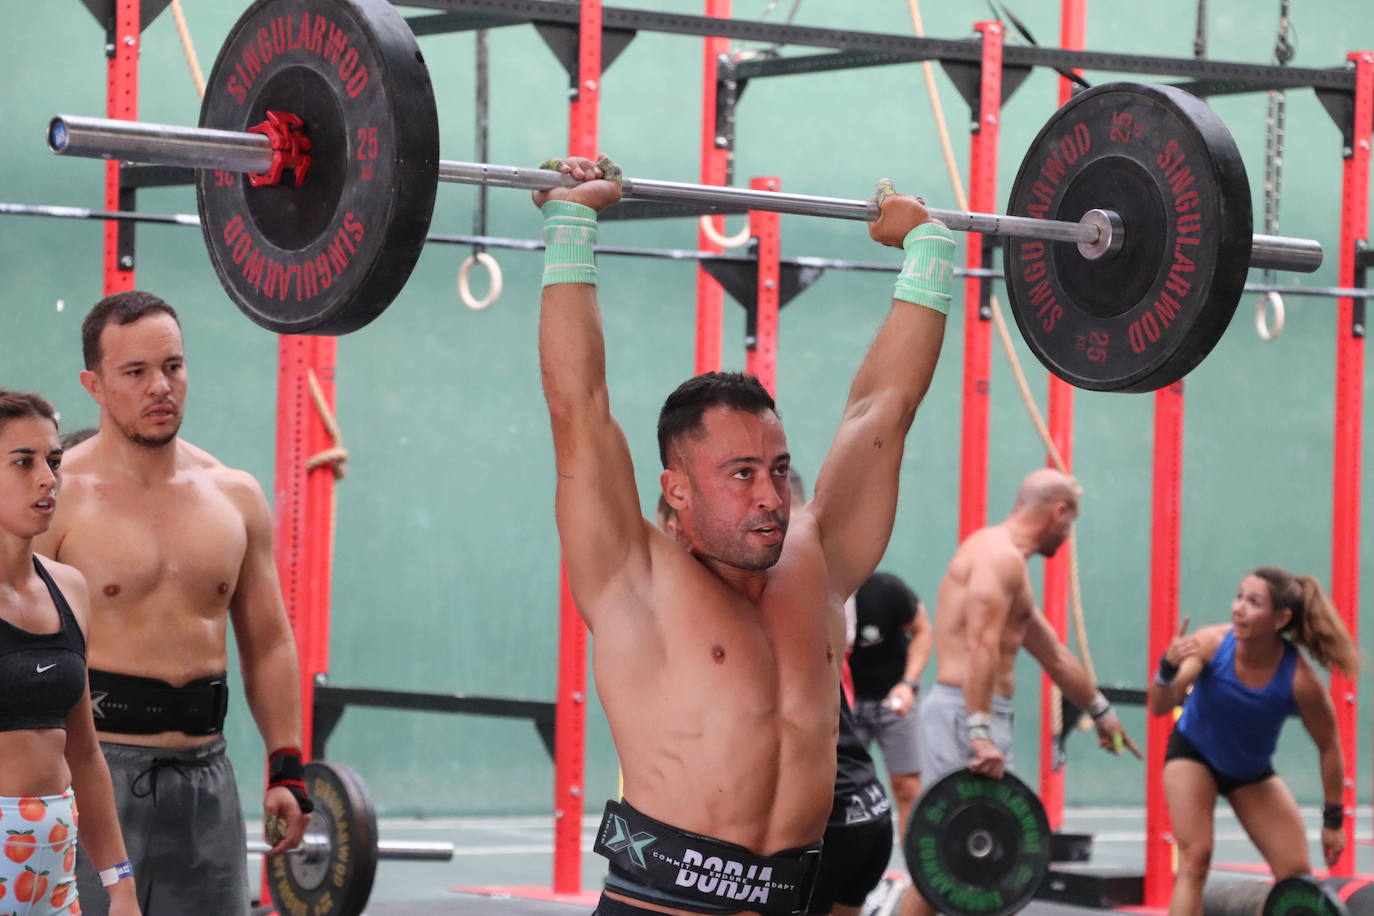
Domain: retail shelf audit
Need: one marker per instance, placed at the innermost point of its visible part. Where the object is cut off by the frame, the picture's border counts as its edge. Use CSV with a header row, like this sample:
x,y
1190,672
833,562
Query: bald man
x,y
984,613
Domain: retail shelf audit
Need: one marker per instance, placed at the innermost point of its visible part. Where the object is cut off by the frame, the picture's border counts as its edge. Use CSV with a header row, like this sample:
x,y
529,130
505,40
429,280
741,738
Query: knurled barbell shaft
x,y
194,147
504,176
411,850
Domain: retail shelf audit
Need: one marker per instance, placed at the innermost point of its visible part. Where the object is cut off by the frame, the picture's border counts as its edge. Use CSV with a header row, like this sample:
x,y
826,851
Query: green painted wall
x,y
447,574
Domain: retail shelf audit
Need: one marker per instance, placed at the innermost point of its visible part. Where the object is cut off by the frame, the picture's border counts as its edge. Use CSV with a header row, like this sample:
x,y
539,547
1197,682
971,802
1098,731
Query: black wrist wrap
x,y
285,769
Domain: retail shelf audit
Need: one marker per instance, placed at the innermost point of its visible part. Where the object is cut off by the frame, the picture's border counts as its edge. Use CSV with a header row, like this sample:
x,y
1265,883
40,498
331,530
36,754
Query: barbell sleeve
x,y
163,144
1282,252
415,850
159,144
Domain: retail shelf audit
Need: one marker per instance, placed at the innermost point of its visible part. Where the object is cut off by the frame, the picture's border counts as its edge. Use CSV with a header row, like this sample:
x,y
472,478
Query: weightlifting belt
x,y
145,706
656,863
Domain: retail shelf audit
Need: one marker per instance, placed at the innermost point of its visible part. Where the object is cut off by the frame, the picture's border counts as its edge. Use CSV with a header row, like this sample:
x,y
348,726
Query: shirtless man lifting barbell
x,y
718,665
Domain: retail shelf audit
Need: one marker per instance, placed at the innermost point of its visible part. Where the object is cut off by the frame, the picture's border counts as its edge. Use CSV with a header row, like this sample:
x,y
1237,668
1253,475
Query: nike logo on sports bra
x,y
42,668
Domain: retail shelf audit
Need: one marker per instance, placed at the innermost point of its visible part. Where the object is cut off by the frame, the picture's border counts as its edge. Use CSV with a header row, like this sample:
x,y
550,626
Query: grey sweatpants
x,y
895,734
942,732
179,812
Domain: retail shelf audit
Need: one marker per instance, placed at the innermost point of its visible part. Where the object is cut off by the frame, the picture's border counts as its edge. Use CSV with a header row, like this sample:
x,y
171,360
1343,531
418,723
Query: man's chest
x,y
193,542
773,657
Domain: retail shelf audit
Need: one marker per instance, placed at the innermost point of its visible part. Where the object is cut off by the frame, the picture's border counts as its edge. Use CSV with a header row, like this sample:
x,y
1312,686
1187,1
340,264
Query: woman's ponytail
x,y
1315,625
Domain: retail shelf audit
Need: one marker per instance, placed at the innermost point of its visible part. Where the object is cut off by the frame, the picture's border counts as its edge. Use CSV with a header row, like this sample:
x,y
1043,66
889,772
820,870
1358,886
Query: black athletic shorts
x,y
1180,748
853,860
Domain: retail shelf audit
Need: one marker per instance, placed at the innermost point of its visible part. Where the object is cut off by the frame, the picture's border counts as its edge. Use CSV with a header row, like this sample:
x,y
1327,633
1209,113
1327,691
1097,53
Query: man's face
x,y
141,381
737,509
1058,527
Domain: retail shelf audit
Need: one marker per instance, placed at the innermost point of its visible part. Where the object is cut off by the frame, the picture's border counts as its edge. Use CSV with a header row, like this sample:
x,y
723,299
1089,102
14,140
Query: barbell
x,y
331,872
1129,225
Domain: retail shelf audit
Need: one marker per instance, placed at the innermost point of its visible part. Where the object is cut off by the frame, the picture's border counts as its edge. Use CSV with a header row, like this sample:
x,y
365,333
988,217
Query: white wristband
x,y
1099,706
115,873
979,726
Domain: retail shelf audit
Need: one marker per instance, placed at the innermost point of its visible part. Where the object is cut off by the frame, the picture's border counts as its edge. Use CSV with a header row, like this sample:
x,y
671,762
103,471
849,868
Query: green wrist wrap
x,y
569,242
928,268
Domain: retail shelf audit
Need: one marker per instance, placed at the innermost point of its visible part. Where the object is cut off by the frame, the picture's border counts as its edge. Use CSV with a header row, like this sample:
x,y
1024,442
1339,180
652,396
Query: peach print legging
x,y
38,869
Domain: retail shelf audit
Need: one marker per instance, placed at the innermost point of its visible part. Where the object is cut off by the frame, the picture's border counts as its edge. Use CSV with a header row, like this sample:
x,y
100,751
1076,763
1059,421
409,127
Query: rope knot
x,y
336,456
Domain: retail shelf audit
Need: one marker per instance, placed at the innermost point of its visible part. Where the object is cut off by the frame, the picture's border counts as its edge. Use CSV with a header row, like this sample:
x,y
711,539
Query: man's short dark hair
x,y
121,308
682,412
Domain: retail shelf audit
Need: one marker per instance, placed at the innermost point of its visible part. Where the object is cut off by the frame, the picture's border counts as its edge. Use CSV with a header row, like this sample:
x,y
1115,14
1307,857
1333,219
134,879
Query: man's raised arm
x,y
856,491
599,523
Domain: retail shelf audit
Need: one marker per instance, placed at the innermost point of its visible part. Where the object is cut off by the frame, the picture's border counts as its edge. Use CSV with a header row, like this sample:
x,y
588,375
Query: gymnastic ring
x,y
708,229
1271,299
493,272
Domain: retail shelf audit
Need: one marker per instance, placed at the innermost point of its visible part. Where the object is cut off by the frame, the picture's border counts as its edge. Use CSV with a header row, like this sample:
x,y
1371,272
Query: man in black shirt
x,y
891,647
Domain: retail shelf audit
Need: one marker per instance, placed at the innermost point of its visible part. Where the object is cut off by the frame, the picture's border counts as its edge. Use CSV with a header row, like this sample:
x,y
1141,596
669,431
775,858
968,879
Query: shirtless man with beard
x,y
174,545
718,665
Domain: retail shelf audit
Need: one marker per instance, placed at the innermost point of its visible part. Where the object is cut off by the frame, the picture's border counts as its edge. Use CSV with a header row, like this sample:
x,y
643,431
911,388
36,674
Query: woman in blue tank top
x,y
48,749
1247,677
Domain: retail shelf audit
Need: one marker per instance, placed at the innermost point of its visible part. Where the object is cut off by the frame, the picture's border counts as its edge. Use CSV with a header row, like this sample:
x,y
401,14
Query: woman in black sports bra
x,y
48,748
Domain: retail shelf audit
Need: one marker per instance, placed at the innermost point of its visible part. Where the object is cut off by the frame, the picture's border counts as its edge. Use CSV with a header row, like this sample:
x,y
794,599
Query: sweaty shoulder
x,y
802,549
235,483
79,464
992,548
1308,687
72,584
194,459
65,576
1209,639
801,524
